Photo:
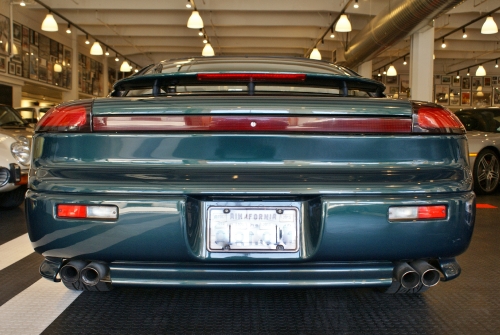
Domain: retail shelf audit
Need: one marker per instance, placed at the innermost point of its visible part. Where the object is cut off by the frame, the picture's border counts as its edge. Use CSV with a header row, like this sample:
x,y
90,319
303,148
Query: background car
x,y
32,114
483,134
15,143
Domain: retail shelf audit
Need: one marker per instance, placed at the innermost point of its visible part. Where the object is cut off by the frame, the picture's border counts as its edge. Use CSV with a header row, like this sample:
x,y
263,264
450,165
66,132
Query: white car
x,y
483,135
15,155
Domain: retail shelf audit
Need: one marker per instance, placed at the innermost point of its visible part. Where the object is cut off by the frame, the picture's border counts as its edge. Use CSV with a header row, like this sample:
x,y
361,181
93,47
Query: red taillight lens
x,y
70,117
435,119
256,77
431,212
276,124
72,211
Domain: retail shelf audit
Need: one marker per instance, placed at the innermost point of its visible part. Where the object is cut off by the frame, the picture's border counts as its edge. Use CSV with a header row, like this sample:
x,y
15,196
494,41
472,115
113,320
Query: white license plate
x,y
253,229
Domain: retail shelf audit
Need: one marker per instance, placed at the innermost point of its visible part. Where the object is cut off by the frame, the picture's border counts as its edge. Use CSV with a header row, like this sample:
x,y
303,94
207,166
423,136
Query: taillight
x,y
68,117
432,212
435,119
73,211
255,77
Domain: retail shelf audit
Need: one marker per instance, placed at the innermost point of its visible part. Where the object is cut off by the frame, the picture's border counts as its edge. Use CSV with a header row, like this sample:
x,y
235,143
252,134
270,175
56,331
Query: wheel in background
x,y
486,172
12,198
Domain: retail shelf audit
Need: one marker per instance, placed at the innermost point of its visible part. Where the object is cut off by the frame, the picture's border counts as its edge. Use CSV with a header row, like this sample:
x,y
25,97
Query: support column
x,y
73,93
366,69
422,64
105,83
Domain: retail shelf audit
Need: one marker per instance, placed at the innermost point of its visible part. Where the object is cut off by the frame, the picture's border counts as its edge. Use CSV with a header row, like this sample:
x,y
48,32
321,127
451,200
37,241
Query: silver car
x,y
483,135
15,139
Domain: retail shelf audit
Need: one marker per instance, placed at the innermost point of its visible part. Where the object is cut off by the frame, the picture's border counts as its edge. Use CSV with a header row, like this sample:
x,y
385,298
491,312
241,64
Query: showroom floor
x,y
467,305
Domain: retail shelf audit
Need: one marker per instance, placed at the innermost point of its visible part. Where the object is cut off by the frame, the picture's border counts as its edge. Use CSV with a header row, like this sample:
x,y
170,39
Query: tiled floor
x,y
468,305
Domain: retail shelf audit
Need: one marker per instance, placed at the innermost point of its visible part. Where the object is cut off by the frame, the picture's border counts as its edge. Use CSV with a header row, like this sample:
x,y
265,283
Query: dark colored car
x,y
483,135
239,171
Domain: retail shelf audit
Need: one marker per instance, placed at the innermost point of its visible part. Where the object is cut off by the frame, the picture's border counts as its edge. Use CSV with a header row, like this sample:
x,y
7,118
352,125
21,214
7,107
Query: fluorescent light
x,y
96,49
480,72
208,51
315,54
195,21
125,67
391,72
49,24
489,26
343,25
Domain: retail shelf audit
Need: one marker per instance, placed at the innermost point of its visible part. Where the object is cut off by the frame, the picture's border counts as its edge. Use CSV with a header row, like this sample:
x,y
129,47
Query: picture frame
x,y
17,57
454,97
404,83
465,99
445,80
4,34
17,32
391,80
3,64
456,81
476,82
26,39
393,89
12,68
33,62
496,96
481,99
19,70
437,79
441,94
487,81
465,83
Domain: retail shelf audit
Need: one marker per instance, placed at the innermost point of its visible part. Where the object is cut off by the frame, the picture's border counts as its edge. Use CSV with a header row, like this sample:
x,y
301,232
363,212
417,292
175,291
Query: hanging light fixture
x,y
443,45
385,72
315,54
379,75
496,63
458,75
188,5
107,52
468,71
49,24
57,67
136,69
343,25
68,30
208,51
195,21
116,58
356,4
125,67
391,72
96,49
22,4
404,60
480,72
465,34
489,26
87,39
205,39
200,32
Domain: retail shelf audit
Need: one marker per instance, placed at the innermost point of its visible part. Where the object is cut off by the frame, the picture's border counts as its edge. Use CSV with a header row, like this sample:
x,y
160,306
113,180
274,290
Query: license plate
x,y
253,229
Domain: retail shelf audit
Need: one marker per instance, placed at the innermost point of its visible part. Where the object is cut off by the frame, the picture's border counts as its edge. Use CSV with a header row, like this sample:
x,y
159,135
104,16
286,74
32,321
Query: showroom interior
x,y
446,52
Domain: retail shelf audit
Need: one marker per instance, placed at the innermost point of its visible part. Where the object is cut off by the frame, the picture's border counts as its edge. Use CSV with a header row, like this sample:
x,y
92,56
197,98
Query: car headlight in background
x,y
21,150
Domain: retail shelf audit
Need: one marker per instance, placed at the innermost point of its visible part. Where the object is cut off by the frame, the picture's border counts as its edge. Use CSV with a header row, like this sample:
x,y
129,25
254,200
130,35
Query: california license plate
x,y
253,229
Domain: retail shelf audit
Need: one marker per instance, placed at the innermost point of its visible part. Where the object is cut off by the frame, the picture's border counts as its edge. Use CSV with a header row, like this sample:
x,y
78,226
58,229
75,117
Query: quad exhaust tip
x,y
406,275
71,271
93,273
429,275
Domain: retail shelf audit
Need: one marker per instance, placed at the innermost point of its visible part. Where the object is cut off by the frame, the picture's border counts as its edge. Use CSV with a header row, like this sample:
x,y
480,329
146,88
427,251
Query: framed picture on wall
x,y
442,94
12,68
19,70
392,80
481,99
496,96
3,64
476,82
26,39
454,97
437,79
487,81
17,32
465,100
465,83
404,83
455,81
445,80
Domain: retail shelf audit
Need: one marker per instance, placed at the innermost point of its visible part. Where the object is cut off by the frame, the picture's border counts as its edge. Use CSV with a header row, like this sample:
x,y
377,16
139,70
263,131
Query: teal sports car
x,y
249,172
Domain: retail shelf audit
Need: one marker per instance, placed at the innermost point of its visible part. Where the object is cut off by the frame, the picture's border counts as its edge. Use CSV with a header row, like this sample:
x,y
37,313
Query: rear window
x,y
480,120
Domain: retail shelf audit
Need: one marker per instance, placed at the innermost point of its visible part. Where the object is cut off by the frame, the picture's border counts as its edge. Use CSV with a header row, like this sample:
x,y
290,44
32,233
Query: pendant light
x,y
465,34
489,26
404,60
208,51
480,72
496,63
107,52
96,49
195,21
49,24
125,67
68,30
188,5
356,4
22,4
116,58
87,39
391,72
443,45
468,71
343,25
315,54
458,75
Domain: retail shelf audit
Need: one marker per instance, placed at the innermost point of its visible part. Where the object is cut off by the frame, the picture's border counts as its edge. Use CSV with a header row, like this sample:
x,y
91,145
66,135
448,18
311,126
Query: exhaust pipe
x,y
71,271
406,275
93,273
429,275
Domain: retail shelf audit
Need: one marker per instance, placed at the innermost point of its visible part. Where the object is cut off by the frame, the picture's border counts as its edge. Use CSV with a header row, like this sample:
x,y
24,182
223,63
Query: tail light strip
x,y
220,123
433,212
72,211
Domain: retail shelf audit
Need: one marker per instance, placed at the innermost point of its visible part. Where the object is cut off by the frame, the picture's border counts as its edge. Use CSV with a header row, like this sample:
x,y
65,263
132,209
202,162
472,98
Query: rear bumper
x,y
173,229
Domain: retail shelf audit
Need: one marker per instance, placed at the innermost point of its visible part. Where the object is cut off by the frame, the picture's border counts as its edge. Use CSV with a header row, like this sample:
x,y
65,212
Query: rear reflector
x,y
69,117
255,77
256,123
434,212
438,120
72,211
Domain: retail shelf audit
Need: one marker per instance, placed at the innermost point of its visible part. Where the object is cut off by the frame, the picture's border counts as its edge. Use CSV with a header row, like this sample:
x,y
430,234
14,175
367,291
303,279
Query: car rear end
x,y
243,188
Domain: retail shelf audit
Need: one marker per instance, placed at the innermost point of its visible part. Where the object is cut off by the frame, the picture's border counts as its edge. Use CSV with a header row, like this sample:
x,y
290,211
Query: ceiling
x,y
148,31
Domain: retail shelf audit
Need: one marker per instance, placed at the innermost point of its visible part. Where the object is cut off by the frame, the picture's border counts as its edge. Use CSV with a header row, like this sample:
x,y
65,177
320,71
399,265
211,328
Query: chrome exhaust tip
x,y
71,271
93,273
406,275
429,275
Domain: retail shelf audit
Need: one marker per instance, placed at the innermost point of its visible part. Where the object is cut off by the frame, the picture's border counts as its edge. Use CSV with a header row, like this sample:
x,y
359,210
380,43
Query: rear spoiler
x,y
158,80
